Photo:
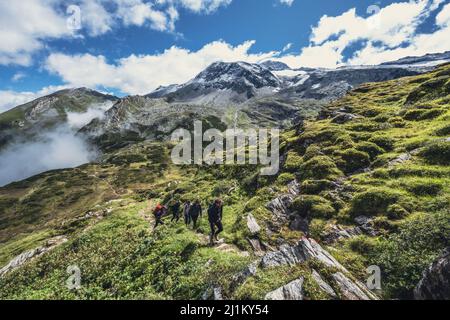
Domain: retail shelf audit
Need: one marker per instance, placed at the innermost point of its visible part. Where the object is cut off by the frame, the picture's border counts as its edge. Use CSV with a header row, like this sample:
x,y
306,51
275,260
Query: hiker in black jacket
x,y
215,213
175,208
195,211
186,209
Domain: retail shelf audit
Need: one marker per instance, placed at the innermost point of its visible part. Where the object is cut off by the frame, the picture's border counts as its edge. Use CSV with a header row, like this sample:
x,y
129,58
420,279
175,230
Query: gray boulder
x,y
291,291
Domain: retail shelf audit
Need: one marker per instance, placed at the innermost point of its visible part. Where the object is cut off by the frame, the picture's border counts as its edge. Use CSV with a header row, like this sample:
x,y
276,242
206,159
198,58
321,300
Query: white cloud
x,y
26,25
287,2
56,149
141,74
18,76
390,33
206,6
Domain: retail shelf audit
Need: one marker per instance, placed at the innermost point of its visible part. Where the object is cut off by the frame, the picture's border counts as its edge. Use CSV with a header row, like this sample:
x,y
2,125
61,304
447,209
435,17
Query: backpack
x,y
158,210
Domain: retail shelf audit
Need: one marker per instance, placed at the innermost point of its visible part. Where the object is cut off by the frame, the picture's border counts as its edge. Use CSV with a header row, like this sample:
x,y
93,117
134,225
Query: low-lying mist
x,y
58,148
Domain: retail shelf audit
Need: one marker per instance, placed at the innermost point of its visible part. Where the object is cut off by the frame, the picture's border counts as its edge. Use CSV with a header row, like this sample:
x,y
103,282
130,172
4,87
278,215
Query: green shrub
x,y
315,186
374,201
397,122
404,256
396,211
318,168
383,141
293,162
424,187
284,178
311,152
443,131
354,160
437,153
370,148
313,207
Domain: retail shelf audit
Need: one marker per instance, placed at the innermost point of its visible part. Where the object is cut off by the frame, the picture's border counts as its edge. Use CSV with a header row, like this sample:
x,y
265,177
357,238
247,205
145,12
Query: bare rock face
x,y
280,205
349,289
252,224
306,249
435,284
286,255
291,291
323,285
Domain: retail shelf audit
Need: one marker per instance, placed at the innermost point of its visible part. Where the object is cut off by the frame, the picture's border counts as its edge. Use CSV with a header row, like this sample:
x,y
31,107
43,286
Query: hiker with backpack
x,y
195,211
186,208
175,209
215,213
159,212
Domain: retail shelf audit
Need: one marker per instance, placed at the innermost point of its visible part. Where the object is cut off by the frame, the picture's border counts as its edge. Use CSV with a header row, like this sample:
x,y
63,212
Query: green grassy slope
x,y
390,162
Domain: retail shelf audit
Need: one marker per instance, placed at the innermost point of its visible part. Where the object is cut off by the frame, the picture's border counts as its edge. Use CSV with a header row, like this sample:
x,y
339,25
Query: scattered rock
x,y
338,233
341,118
435,284
399,160
323,285
291,291
252,224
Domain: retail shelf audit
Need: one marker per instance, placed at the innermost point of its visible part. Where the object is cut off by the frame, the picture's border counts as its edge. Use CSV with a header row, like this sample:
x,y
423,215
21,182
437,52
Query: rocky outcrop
x,y
28,255
291,255
325,287
280,205
336,232
308,249
291,291
350,290
435,284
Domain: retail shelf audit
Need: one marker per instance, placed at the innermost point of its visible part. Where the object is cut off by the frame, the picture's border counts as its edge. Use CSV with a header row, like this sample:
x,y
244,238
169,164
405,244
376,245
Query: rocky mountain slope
x,y
240,94
364,181
25,121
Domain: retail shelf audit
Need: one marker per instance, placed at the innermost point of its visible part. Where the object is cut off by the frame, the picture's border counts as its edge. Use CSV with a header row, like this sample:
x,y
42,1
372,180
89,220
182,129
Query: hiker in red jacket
x,y
159,212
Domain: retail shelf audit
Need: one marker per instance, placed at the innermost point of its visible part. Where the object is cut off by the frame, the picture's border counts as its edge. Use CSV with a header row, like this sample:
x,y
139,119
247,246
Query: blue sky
x,y
132,46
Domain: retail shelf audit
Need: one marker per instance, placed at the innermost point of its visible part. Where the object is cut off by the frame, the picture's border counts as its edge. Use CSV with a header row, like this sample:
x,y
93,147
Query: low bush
x,y
313,207
315,186
318,168
293,162
374,201
437,153
383,141
370,148
405,255
354,160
